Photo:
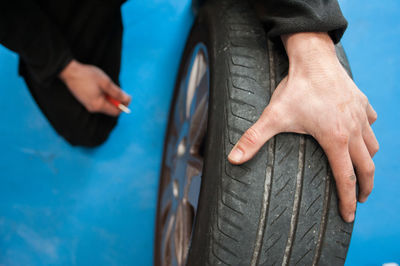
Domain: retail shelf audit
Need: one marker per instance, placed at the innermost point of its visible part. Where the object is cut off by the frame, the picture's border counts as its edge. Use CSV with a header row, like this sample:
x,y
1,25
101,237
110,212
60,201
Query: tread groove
x,y
344,231
312,226
226,220
225,234
241,117
245,77
241,102
237,180
235,130
315,150
227,250
279,215
308,251
235,196
296,202
230,207
273,244
239,76
312,203
243,55
220,230
218,258
323,224
283,187
240,65
316,174
268,173
286,155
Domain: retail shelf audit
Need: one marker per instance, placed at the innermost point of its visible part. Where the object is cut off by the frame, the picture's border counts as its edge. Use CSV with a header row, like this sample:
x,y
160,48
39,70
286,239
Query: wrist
x,y
68,71
309,46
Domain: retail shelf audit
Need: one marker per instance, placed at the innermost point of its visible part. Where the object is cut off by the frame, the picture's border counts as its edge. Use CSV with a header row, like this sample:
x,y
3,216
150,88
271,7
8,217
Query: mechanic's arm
x,y
319,98
26,30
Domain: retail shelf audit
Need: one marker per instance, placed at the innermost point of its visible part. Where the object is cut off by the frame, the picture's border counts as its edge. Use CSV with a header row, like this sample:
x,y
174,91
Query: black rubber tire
x,y
280,208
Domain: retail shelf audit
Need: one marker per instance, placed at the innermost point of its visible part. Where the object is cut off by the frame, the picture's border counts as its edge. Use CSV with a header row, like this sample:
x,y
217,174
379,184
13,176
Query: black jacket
x,y
47,33
291,16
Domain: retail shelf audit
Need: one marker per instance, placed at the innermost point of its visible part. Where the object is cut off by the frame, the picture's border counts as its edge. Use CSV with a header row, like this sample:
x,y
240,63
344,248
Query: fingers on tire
x,y
372,115
364,165
342,168
253,139
370,140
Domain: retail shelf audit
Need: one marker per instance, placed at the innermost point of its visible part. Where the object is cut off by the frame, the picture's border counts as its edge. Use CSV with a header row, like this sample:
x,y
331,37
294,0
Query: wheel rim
x,y
183,161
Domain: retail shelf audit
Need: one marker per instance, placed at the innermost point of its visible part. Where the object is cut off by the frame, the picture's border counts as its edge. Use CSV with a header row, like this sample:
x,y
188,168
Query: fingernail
x,y
350,217
235,155
362,199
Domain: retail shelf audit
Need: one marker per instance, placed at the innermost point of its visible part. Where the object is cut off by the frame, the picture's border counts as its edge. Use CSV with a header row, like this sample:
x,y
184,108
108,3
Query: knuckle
x,y
345,180
346,177
354,129
375,149
349,181
374,117
107,82
93,107
369,170
251,136
364,99
340,138
368,190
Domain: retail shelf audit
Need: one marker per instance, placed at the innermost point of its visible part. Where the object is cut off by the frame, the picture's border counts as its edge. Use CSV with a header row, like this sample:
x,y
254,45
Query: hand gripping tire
x,y
280,208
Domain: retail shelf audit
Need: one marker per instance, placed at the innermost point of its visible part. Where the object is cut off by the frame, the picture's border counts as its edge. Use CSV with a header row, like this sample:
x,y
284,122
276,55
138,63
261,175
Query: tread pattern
x,y
245,103
280,208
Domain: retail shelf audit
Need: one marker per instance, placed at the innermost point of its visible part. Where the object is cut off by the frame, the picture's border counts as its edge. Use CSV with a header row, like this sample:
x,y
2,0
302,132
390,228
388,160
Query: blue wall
x,y
64,205
372,42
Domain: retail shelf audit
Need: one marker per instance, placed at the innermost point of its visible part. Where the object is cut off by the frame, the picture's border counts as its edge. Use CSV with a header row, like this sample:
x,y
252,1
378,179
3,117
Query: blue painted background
x,y
64,205
372,42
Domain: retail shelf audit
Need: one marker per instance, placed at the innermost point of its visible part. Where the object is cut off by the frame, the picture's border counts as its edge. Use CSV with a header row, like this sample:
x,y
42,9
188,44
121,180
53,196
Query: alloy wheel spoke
x,y
183,230
199,73
198,126
179,116
167,250
195,163
183,162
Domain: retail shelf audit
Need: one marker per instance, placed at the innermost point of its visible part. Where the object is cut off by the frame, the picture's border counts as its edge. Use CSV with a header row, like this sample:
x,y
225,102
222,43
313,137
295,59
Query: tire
x,y
280,208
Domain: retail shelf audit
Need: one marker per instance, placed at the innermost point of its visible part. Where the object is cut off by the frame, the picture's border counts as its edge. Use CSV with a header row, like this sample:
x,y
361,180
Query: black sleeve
x,y
291,16
26,30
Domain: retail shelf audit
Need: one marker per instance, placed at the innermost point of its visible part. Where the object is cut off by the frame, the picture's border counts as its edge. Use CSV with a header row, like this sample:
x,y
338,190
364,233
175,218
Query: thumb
x,y
254,138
